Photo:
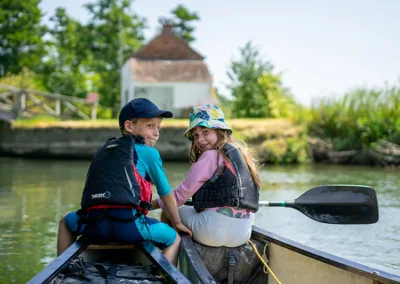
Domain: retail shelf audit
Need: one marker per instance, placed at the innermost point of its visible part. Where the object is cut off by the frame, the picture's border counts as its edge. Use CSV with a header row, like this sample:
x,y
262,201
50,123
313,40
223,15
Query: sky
x,y
322,47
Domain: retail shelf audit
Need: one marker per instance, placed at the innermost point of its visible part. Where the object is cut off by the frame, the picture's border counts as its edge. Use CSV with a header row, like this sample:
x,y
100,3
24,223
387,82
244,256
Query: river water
x,y
35,194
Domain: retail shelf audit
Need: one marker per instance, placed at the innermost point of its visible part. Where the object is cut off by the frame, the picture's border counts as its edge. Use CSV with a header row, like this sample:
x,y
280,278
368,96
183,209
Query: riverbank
x,y
273,141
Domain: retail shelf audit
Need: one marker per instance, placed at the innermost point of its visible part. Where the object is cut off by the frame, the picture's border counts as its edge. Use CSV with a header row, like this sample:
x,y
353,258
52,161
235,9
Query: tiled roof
x,y
170,71
167,46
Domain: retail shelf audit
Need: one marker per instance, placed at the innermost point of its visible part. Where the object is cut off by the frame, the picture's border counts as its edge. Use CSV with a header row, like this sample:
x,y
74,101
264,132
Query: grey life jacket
x,y
234,187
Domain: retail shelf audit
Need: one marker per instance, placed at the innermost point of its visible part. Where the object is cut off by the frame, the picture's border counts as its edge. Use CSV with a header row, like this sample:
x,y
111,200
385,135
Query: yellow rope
x,y
264,256
263,261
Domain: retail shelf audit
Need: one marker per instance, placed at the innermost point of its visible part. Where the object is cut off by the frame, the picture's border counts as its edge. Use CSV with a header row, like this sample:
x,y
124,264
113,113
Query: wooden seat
x,y
111,246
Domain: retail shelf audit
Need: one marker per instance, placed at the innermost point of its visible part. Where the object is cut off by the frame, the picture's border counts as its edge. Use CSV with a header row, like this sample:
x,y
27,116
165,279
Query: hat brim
x,y
202,123
157,113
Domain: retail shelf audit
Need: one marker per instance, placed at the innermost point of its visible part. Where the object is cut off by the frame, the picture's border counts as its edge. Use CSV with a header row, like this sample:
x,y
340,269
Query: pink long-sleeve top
x,y
199,173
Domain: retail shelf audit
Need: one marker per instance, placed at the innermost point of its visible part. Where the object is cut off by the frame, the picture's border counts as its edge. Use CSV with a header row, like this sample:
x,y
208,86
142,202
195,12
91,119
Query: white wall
x,y
126,83
186,95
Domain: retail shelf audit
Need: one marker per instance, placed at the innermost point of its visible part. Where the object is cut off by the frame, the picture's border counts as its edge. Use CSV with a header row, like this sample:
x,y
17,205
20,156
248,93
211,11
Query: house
x,y
168,72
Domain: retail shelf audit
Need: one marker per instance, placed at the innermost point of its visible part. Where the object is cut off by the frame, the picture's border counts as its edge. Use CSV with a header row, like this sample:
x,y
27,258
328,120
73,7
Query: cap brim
x,y
157,113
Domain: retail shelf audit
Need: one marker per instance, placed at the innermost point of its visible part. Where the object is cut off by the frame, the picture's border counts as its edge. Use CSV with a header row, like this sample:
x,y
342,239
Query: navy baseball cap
x,y
141,108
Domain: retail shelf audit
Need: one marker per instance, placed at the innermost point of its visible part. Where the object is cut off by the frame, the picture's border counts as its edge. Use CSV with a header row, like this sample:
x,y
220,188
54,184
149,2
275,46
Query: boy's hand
x,y
172,210
154,204
182,228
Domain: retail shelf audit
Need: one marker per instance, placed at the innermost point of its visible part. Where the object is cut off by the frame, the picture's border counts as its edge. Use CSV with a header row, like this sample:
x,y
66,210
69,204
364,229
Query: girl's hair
x,y
225,136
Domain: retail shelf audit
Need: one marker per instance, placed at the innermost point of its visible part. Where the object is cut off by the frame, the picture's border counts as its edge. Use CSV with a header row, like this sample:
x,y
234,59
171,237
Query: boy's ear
x,y
128,126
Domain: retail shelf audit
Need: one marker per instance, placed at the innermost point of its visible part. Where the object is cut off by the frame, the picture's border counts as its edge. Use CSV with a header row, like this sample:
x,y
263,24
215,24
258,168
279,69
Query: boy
x,y
117,193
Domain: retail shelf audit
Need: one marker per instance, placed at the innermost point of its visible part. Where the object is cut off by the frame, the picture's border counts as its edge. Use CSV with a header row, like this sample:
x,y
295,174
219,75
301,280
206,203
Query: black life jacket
x,y
112,180
234,187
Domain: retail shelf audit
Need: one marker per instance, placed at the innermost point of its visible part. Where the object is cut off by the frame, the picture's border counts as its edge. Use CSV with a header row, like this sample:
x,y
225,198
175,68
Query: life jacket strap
x,y
145,205
85,219
97,207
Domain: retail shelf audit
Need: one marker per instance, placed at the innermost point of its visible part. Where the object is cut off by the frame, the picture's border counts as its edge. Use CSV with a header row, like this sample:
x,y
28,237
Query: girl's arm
x,y
199,173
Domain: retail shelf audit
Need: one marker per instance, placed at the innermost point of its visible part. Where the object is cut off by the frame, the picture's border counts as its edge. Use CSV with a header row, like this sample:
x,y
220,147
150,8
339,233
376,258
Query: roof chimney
x,y
167,28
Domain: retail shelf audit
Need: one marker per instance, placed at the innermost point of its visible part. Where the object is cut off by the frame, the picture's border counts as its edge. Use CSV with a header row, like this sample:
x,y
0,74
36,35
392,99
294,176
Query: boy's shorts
x,y
107,230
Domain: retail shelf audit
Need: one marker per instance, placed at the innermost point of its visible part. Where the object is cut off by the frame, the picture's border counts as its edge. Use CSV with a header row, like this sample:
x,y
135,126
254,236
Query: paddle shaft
x,y
276,203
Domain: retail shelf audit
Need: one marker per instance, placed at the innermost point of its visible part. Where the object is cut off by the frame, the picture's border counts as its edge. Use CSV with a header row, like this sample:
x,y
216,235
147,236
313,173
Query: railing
x,y
30,103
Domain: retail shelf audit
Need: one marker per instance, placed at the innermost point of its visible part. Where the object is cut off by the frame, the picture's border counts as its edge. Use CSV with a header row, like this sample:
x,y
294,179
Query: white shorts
x,y
214,229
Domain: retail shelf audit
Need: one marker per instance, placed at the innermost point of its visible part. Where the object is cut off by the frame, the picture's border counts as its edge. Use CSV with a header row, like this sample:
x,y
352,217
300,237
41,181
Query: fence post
x,y
94,111
21,103
58,107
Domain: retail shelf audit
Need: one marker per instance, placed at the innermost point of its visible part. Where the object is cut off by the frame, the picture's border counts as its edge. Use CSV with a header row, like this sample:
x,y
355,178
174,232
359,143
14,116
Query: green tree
x,y
21,34
63,69
115,32
224,102
250,100
26,79
279,101
181,21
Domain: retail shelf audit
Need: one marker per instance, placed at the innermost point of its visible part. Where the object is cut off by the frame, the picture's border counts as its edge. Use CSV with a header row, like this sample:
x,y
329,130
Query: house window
x,y
162,96
141,92
126,96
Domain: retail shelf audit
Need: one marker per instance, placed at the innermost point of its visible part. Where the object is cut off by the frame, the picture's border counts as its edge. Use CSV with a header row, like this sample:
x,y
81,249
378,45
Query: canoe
x,y
289,261
286,260
110,263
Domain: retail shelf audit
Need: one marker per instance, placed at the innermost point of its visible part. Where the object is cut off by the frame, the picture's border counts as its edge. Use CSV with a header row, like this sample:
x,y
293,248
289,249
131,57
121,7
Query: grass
x,y
358,119
257,125
49,122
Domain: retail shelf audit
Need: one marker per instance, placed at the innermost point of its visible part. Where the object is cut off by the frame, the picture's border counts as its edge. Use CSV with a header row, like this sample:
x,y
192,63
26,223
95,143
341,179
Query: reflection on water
x,y
35,194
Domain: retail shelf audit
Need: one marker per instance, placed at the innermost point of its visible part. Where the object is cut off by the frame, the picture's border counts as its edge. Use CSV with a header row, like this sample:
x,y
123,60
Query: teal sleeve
x,y
150,164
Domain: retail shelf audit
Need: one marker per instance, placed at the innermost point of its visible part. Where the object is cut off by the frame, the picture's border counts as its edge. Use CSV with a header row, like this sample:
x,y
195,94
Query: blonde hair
x,y
225,136
122,127
134,121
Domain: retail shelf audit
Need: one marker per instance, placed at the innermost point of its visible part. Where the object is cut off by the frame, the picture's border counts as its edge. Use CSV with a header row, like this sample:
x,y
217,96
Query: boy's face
x,y
148,128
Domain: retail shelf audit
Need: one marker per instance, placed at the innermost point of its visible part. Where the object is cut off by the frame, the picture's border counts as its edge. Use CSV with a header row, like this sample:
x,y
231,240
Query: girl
x,y
223,183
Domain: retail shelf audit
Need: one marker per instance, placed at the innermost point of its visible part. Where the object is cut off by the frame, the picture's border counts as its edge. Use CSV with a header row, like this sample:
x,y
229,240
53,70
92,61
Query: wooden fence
x,y
29,103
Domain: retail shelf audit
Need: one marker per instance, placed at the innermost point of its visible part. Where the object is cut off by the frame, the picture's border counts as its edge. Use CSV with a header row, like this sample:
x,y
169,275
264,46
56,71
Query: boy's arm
x,y
172,209
155,171
157,175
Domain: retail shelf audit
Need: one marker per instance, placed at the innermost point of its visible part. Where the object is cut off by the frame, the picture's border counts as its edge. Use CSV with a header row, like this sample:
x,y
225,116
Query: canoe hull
x,y
291,262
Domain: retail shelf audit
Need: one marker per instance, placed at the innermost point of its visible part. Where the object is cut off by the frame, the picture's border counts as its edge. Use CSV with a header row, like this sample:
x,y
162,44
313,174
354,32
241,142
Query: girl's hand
x,y
182,228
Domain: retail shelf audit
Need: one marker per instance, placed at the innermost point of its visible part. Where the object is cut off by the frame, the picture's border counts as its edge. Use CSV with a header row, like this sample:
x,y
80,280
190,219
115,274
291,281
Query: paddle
x,y
335,204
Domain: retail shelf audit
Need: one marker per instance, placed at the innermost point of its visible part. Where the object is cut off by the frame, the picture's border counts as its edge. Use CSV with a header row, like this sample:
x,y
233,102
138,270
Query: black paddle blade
x,y
339,204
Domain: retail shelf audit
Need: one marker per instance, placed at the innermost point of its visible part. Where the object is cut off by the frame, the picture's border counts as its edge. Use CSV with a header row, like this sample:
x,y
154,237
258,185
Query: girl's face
x,y
204,138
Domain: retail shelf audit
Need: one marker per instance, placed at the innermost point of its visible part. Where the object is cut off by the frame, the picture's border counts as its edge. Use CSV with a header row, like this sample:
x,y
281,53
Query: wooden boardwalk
x,y
16,102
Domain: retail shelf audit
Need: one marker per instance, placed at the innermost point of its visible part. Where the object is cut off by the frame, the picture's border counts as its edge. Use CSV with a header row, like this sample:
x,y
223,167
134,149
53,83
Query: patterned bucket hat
x,y
209,116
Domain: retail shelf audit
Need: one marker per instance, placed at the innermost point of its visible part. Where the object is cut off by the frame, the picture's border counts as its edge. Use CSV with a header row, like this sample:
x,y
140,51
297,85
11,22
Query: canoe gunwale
x,y
347,265
58,264
193,257
171,272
